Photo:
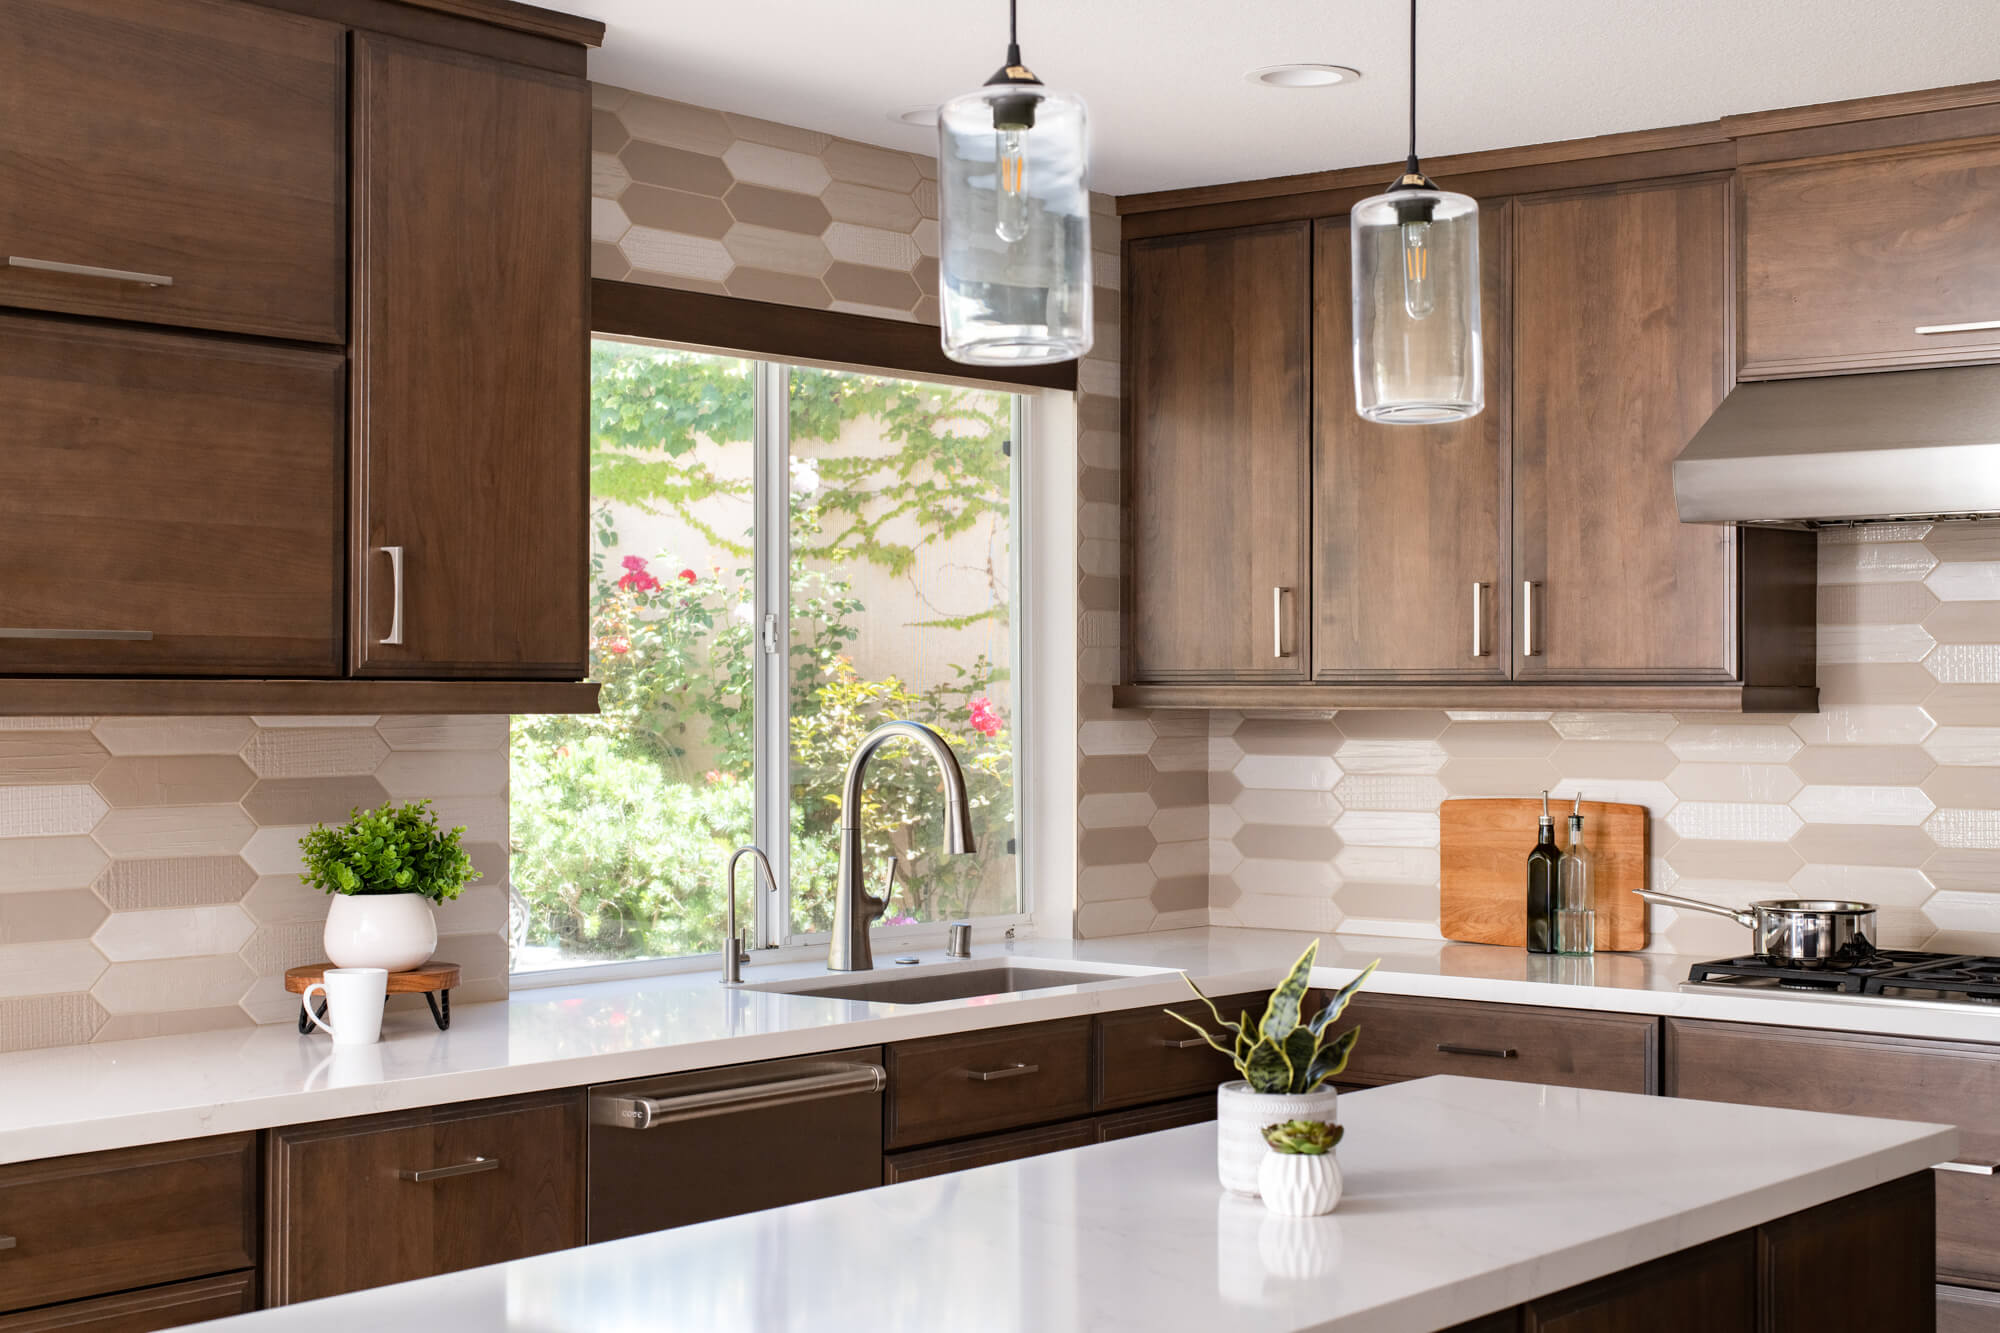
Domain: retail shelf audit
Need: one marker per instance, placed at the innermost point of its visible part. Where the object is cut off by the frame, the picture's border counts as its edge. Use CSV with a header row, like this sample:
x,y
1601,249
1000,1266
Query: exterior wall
x,y
149,866
1891,793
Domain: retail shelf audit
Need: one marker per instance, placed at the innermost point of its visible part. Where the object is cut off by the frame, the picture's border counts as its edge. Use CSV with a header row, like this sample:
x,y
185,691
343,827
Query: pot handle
x,y
1748,920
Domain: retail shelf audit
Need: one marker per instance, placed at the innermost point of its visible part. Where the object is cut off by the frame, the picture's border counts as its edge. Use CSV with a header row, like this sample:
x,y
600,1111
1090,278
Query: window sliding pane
x,y
622,821
901,598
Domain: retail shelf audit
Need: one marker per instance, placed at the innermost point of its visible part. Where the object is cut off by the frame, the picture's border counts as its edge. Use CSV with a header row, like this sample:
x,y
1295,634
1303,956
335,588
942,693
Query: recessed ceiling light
x,y
925,116
1303,75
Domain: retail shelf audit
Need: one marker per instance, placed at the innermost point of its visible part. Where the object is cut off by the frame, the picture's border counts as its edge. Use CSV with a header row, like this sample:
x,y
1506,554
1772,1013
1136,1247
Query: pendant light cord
x,y
1013,34
1411,168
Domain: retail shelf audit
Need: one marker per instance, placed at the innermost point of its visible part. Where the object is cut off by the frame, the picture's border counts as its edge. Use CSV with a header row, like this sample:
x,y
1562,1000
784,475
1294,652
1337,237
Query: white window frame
x,y
768,914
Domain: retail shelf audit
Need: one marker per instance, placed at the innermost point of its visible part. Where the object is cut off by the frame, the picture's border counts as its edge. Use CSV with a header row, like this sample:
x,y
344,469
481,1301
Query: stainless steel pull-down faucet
x,y
854,908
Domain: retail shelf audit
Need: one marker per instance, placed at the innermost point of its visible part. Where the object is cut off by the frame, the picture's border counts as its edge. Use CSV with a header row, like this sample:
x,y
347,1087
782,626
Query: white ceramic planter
x,y
1240,1117
396,931
1299,1184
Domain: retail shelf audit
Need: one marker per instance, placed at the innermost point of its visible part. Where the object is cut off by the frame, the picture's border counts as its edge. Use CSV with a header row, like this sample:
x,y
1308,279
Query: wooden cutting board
x,y
1483,868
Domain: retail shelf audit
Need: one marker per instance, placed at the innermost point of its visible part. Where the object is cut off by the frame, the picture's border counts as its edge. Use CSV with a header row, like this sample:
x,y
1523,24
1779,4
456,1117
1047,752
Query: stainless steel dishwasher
x,y
689,1147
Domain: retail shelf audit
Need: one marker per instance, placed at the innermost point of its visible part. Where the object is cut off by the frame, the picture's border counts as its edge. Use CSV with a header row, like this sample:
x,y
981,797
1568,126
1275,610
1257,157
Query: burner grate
x,y
1869,976
1973,977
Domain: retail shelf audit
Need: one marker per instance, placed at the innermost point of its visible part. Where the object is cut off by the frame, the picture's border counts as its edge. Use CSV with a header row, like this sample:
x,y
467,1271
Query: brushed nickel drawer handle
x,y
471,1168
1490,1052
649,1112
90,271
1278,623
1479,620
6,1242
1529,648
1970,1168
1184,1044
122,634
994,1075
1975,326
394,637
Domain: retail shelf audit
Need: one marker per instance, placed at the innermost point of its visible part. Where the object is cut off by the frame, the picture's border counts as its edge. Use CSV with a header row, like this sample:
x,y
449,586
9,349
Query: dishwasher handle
x,y
629,1112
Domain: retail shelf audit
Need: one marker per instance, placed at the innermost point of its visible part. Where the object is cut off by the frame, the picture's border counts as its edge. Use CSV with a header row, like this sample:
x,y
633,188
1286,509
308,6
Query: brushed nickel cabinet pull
x,y
1490,1052
1970,1168
1278,623
90,271
136,635
1529,648
6,1242
994,1075
1184,1044
1975,326
838,1080
1479,648
471,1168
394,637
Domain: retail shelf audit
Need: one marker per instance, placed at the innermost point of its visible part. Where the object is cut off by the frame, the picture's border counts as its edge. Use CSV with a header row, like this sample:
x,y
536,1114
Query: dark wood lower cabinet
x,y
1153,1119
365,1202
1967,1310
950,1157
146,1311
1712,1287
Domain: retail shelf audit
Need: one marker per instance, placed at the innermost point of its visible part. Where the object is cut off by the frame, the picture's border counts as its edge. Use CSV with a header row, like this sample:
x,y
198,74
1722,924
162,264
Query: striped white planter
x,y
1240,1117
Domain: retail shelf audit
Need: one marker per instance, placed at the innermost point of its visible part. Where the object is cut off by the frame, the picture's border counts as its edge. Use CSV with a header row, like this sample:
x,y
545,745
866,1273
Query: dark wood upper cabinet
x,y
1409,522
201,141
1218,461
169,504
1864,262
471,348
1621,352
365,1202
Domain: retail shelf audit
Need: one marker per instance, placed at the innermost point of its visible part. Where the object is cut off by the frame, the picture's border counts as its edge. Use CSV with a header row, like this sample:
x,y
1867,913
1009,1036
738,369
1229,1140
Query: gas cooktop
x,y
1895,974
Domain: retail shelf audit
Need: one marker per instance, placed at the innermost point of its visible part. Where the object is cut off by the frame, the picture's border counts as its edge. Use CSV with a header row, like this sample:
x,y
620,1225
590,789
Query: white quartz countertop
x,y
114,1094
1462,1197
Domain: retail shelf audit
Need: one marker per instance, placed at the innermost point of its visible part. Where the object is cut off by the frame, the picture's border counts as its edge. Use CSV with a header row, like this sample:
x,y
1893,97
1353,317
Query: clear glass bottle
x,y
1543,863
1576,907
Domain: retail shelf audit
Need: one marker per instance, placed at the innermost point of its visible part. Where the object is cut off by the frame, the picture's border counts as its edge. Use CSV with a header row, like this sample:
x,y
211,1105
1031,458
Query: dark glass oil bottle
x,y
1543,888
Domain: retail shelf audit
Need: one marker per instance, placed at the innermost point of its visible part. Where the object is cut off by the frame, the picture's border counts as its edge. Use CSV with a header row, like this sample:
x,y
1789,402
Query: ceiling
x,y
1170,107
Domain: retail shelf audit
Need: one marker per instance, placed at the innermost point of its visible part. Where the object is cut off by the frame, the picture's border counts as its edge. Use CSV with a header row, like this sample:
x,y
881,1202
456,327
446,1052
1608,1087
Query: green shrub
x,y
396,849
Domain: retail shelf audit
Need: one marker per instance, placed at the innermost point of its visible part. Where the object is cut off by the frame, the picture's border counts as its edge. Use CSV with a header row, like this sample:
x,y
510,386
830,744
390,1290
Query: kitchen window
x,y
782,558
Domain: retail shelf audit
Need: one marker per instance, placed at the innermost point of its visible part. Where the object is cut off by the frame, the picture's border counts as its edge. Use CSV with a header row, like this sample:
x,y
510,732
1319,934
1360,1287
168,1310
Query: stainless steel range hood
x,y
1848,449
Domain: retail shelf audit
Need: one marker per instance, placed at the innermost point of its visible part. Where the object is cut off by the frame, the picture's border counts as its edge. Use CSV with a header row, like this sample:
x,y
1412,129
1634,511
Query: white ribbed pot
x,y
1299,1184
396,931
1240,1117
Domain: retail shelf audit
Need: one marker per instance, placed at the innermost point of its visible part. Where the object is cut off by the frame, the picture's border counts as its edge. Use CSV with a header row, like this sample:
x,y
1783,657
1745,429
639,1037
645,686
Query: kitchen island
x,y
1468,1202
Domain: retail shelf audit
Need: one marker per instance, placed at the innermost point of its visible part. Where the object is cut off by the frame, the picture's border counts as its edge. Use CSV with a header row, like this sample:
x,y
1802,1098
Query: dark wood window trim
x,y
795,334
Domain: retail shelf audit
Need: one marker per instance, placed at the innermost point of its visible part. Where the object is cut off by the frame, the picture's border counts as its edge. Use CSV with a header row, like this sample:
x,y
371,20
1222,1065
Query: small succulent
x,y
1304,1138
1281,1053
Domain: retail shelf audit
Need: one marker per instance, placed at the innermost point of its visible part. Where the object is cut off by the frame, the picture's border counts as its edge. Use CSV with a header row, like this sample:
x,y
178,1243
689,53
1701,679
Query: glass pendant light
x,y
1416,296
1013,221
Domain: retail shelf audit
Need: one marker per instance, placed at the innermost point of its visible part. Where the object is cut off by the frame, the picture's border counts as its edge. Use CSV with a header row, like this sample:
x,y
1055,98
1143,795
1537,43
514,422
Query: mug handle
x,y
306,1000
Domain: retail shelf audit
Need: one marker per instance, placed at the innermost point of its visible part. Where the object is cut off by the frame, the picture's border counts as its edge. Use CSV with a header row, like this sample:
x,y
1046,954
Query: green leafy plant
x,y
1283,1051
1303,1138
395,849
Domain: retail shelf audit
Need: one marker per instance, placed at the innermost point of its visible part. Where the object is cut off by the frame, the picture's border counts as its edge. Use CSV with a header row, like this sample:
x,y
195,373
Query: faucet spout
x,y
854,908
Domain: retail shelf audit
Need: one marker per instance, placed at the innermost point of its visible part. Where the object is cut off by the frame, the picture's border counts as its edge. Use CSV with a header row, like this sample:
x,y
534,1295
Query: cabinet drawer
x,y
1895,1078
145,1311
179,487
1967,1310
924,1162
1152,1119
102,1222
1145,1056
1404,1038
198,140
976,1082
361,1203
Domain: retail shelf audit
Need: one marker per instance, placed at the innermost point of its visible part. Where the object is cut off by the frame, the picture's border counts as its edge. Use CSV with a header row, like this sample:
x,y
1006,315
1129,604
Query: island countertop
x,y
1463,1197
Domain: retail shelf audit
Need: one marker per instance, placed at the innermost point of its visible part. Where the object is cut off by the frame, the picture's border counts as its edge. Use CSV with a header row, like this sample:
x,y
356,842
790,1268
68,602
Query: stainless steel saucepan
x,y
1795,932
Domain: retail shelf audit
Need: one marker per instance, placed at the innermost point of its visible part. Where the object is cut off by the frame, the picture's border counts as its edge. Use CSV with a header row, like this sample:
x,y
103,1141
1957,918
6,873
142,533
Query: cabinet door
x,y
194,140
1868,262
1621,352
1712,1287
144,1311
925,1162
1409,522
1218,458
363,1203
471,373
169,505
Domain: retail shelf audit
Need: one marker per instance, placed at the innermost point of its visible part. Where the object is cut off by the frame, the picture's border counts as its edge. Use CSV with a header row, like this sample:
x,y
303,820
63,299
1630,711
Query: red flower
x,y
620,645
637,578
984,719
688,576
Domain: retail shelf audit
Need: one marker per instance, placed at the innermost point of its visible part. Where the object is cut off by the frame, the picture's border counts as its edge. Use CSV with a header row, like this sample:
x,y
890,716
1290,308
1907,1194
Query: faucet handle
x,y
743,946
888,886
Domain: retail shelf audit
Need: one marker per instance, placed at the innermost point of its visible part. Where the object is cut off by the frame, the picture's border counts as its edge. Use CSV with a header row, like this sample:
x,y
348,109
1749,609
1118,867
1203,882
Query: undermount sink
x,y
929,985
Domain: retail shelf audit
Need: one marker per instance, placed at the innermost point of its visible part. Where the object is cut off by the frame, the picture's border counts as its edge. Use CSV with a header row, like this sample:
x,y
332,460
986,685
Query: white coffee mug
x,y
354,997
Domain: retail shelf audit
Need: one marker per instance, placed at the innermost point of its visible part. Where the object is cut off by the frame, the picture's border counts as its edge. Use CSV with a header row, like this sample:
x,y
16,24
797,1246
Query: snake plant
x,y
1283,1051
1303,1138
